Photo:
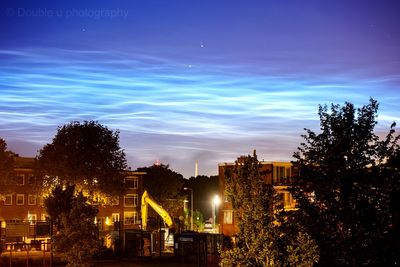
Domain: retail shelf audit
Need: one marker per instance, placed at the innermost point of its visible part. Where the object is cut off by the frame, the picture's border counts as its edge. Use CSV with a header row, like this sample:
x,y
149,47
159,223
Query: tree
x,y
265,238
165,186
344,187
86,154
6,164
58,202
77,234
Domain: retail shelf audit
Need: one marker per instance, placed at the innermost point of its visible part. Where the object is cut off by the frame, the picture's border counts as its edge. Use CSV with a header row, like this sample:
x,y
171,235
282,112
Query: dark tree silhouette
x,y
344,187
86,154
6,164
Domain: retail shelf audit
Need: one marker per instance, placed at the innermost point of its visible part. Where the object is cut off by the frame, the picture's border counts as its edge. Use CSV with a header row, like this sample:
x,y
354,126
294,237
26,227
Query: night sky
x,y
193,80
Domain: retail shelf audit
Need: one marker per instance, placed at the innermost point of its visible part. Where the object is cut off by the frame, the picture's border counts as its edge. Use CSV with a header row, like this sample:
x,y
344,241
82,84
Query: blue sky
x,y
193,80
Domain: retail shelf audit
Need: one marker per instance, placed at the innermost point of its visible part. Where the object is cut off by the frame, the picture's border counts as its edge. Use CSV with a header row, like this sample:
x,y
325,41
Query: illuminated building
x,y
279,174
21,205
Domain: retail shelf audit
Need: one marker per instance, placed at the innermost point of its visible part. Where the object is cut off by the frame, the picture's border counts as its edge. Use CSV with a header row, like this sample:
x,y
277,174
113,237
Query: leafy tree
x,y
165,186
78,236
6,164
344,189
58,202
198,221
86,154
264,238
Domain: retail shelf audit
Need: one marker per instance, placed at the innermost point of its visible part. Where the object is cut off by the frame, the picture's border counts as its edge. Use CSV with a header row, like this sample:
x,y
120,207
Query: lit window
x,y
228,217
20,199
31,218
45,217
131,200
31,199
132,183
115,217
19,179
130,217
8,199
280,175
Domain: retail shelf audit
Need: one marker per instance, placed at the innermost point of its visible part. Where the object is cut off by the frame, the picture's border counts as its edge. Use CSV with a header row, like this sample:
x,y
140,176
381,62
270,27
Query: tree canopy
x,y
86,154
265,237
77,235
165,186
344,189
6,163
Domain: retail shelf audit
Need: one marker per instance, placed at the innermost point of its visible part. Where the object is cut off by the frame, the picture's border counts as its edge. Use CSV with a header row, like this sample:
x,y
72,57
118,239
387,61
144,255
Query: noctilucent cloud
x,y
193,80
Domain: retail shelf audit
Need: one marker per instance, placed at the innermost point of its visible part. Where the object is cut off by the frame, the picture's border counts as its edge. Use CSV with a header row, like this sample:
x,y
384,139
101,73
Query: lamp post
x,y
191,207
215,202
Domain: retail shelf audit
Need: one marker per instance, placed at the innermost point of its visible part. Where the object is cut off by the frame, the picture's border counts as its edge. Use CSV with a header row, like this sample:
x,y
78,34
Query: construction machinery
x,y
148,200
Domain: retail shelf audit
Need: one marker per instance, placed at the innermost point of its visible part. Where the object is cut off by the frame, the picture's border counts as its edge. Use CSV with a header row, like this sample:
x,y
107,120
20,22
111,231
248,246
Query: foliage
x,y
164,185
345,189
264,238
86,154
6,163
59,202
198,221
77,234
204,189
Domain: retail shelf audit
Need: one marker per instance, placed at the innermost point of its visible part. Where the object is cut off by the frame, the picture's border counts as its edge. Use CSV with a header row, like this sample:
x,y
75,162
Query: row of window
x,y
22,179
130,218
282,174
130,200
19,199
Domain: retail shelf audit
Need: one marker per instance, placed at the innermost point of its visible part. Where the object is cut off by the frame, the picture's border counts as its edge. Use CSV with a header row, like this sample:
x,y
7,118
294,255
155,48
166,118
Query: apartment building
x,y
21,206
279,174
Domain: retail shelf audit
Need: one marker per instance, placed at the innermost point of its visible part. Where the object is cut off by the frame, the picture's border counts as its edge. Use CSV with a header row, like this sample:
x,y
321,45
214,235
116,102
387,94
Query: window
x,y
280,175
131,200
40,201
8,199
45,217
114,201
228,216
115,217
20,199
19,179
285,200
32,218
31,199
130,217
31,180
132,182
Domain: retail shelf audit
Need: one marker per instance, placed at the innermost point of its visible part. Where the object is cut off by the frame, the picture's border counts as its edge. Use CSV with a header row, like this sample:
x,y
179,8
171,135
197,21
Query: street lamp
x,y
215,202
191,207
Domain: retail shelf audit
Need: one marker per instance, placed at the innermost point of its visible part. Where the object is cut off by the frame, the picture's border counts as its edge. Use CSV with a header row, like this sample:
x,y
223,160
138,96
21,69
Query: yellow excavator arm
x,y
148,200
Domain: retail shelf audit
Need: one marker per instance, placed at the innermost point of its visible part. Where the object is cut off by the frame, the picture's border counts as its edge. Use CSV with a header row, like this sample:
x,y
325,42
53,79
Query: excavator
x,y
148,200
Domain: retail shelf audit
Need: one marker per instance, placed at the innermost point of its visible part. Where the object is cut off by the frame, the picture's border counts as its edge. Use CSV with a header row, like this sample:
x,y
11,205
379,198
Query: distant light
x,y
216,200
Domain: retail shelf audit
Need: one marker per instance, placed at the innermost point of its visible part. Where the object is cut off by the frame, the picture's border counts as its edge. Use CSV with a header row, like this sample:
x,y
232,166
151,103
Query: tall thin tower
x,y
196,169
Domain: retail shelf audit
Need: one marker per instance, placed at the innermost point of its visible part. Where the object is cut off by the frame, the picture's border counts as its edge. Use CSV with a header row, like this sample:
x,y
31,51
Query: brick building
x,y
279,174
21,206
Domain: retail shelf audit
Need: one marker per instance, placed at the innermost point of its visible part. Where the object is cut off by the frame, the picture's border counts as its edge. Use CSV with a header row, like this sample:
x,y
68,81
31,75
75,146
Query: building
x,y
22,207
279,174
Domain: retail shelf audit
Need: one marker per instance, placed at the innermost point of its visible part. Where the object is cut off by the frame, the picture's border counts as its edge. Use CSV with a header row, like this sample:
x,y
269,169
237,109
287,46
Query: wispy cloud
x,y
171,109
